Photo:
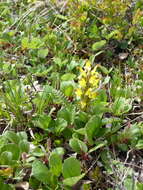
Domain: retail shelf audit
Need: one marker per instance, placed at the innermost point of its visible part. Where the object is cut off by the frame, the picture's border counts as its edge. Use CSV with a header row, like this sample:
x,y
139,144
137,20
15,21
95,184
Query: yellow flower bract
x,y
82,82
90,93
83,104
87,66
93,80
82,73
78,92
87,84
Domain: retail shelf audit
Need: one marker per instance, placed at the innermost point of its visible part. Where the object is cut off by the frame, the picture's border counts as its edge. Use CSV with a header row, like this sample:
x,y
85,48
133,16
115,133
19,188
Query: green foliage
x,y
71,85
92,128
55,163
78,145
41,172
71,172
98,45
5,186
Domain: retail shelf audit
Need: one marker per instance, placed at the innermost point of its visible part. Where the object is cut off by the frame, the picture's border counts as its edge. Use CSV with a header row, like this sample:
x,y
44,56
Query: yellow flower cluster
x,y
88,82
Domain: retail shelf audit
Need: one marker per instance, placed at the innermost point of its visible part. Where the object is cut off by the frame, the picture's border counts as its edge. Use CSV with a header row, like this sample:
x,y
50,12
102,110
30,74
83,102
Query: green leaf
x,y
13,148
104,70
92,128
38,152
55,163
58,61
71,168
67,113
60,125
34,183
139,144
77,145
99,107
72,180
121,106
41,172
67,87
80,131
128,183
73,64
22,135
68,90
139,186
113,34
4,186
98,45
106,80
35,43
59,150
82,116
42,121
62,17
68,77
42,53
5,158
24,146
100,145
25,43
11,136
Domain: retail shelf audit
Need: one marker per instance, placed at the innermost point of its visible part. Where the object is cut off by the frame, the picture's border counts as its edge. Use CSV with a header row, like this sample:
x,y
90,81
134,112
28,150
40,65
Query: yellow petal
x,y
78,92
93,95
88,92
87,66
94,81
83,104
93,72
82,82
82,73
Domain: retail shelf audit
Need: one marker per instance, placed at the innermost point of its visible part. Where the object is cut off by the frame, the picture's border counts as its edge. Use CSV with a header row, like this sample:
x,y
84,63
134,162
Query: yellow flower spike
x,y
93,72
96,83
88,92
88,82
78,92
82,82
82,72
93,95
83,104
87,66
93,80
